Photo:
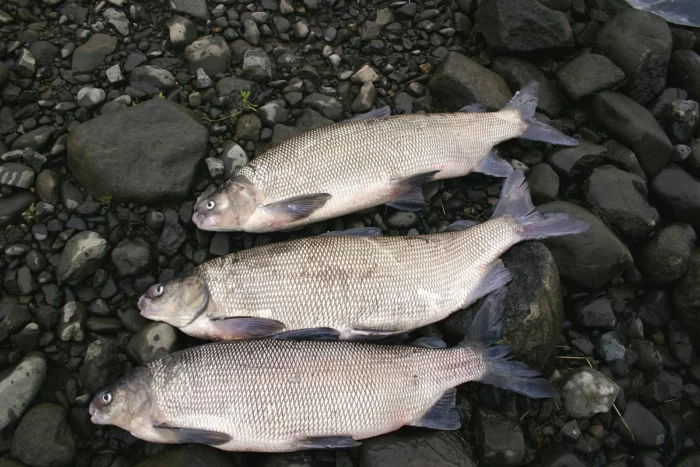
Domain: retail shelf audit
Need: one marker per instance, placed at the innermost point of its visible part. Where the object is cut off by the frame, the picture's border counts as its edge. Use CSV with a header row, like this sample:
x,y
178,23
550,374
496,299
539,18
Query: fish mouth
x,y
146,307
95,415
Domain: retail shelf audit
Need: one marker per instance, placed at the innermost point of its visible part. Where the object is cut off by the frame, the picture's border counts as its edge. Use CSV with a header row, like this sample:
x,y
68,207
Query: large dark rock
x,y
685,71
12,207
154,164
679,193
620,199
665,257
517,73
592,258
634,126
523,26
588,74
647,430
44,438
640,44
426,449
686,296
533,306
459,81
577,161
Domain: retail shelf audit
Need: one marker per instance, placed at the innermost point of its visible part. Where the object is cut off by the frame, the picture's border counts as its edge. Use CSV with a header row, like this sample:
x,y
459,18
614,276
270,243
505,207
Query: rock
x,y
257,65
686,296
328,106
597,313
523,26
44,437
271,114
100,365
153,341
365,98
211,53
533,306
16,317
4,75
365,74
622,157
634,126
117,18
19,387
592,258
44,53
543,182
17,175
665,257
681,120
182,32
647,429
81,257
12,207
689,460
91,55
26,64
681,343
459,81
38,140
587,74
517,73
576,161
685,72
501,439
164,139
233,157
679,193
587,392
70,325
639,43
425,449
197,9
620,199
559,456
172,236
151,79
248,128
191,455
132,256
114,75
90,97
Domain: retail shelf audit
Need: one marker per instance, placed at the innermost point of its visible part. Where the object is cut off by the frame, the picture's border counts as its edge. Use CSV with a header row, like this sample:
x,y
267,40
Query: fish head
x,y
177,302
229,208
125,403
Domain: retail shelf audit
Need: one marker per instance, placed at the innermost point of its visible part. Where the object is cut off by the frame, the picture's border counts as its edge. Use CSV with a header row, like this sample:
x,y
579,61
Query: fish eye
x,y
210,204
106,398
158,291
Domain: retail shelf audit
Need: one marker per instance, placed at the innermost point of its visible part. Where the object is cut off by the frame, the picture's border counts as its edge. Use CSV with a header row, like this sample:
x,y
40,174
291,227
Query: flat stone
x,y
426,449
81,257
679,193
685,71
587,392
91,55
19,387
587,74
211,53
44,437
197,9
16,175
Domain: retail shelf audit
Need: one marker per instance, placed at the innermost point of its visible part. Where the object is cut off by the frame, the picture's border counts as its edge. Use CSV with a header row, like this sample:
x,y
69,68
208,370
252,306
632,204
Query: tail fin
x,y
516,202
525,102
500,371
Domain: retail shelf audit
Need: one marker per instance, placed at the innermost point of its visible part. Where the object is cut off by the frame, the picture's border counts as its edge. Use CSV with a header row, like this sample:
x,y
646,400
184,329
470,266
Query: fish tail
x,y
525,102
499,370
516,202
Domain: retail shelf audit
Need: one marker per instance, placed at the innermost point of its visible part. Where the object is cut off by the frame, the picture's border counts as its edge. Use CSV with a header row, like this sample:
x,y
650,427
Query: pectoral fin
x,y
327,442
245,327
429,342
443,415
494,165
473,108
377,336
192,435
311,334
296,207
381,112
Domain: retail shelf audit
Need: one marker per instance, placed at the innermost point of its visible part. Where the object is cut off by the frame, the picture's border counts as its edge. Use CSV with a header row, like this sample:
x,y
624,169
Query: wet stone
x,y
588,392
19,387
153,341
71,322
100,365
501,438
648,431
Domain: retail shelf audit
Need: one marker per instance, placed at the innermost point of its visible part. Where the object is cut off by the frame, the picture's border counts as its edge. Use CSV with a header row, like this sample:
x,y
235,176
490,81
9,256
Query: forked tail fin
x,y
499,370
515,201
525,102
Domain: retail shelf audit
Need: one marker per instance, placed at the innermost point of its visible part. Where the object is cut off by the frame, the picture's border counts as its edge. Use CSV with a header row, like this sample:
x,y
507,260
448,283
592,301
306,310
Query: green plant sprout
x,y
105,200
245,105
30,214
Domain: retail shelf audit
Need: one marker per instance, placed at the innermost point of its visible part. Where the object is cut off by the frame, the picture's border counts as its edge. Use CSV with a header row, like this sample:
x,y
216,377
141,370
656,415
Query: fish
x,y
281,395
366,161
354,284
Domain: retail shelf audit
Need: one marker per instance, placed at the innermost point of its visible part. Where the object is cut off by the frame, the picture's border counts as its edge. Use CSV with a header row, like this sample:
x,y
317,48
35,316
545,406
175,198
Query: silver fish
x,y
367,161
286,395
353,284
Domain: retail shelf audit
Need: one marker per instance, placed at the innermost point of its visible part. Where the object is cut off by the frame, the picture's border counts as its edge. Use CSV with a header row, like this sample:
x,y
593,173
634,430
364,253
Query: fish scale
x,y
345,159
390,283
303,388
